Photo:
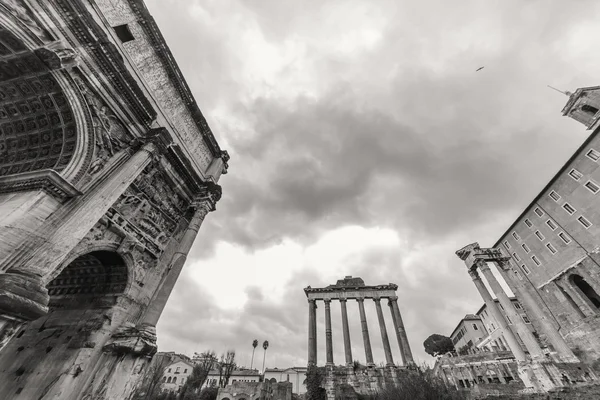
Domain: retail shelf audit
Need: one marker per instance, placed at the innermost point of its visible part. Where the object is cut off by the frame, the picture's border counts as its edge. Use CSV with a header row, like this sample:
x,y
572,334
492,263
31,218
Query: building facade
x,y
549,259
468,333
495,341
107,171
295,375
553,245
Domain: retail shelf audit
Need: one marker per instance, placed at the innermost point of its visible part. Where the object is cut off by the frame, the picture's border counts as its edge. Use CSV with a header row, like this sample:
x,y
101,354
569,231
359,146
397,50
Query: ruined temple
x,y
107,171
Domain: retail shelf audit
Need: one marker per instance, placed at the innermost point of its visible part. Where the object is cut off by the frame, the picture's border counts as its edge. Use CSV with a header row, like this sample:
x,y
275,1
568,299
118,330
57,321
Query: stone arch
x,y
43,120
580,283
99,274
79,321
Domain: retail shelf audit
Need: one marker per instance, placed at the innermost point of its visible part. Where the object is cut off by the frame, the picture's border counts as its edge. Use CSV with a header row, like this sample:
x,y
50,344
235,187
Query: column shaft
x,y
528,339
175,266
509,336
405,351
536,312
365,332
312,332
328,338
346,331
384,336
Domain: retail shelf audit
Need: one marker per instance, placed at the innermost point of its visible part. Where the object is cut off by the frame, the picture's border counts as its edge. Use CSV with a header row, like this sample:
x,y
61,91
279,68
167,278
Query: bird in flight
x,y
479,69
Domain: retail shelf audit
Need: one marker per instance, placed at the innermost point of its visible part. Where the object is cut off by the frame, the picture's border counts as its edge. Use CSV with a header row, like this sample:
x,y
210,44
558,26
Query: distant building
x,y
176,374
295,375
468,333
495,341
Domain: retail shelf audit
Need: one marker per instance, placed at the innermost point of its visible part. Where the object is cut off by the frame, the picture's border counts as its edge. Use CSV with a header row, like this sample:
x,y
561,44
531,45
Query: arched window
x,y
164,378
586,108
586,289
175,379
169,380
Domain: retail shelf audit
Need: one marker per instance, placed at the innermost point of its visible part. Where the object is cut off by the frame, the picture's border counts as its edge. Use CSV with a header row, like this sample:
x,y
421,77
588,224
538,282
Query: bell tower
x,y
584,105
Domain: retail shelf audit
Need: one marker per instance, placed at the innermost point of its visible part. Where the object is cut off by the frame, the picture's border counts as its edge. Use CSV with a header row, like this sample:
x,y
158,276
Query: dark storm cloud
x,y
401,133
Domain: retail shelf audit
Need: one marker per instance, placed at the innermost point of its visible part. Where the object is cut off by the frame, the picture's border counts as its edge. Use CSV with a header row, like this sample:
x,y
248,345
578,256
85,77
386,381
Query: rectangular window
x,y
509,321
551,248
528,223
536,261
569,208
565,238
526,320
551,224
538,212
514,234
575,174
525,269
475,327
593,155
506,244
516,256
539,235
592,187
554,196
583,221
517,306
525,247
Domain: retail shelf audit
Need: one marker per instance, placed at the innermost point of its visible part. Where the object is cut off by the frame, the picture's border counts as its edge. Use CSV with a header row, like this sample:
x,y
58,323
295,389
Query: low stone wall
x,y
579,392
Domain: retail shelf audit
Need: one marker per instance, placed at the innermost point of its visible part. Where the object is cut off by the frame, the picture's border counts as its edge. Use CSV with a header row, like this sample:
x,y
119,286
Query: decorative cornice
x,y
78,20
47,180
146,21
210,194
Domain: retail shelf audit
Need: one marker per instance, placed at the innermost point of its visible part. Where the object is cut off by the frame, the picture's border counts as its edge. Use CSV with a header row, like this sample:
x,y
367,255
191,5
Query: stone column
x,y
536,312
384,336
528,339
346,331
312,332
202,205
509,336
328,338
403,344
365,331
23,294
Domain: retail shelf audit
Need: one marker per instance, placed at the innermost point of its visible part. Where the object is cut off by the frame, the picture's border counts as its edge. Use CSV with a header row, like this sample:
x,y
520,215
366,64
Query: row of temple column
x,y
405,351
519,326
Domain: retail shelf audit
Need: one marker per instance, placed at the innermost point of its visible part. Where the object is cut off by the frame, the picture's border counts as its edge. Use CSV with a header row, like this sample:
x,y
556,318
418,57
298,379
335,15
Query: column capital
x,y
360,299
482,265
503,265
209,195
392,298
343,300
377,300
313,301
327,301
474,274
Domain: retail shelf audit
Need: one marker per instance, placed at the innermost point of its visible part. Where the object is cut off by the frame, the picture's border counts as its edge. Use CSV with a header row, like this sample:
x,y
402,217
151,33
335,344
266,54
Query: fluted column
x,y
528,339
384,336
403,344
328,338
491,305
346,331
204,204
312,332
547,327
365,331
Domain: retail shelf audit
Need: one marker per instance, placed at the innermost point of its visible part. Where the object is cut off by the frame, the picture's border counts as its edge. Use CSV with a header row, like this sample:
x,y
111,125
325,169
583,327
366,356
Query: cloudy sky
x,y
364,143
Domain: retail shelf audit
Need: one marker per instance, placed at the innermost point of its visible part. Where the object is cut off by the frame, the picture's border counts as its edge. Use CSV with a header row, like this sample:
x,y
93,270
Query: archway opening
x,y
590,110
586,289
81,311
92,280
